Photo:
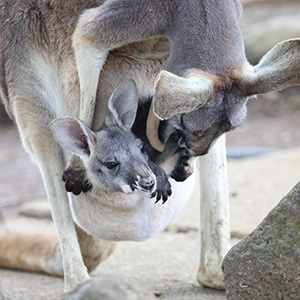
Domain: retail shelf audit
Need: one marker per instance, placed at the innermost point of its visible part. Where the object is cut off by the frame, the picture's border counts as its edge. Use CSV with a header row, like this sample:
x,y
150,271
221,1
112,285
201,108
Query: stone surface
x,y
109,288
266,264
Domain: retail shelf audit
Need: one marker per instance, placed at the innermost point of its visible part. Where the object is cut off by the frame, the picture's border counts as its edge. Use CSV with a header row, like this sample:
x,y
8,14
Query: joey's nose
x,y
147,184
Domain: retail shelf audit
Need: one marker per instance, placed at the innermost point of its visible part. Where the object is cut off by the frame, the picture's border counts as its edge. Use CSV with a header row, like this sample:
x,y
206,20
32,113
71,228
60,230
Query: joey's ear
x,y
122,106
73,135
278,69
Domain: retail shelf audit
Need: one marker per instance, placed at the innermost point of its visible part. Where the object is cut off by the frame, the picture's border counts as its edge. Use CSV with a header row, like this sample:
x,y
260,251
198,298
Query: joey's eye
x,y
111,165
142,149
198,132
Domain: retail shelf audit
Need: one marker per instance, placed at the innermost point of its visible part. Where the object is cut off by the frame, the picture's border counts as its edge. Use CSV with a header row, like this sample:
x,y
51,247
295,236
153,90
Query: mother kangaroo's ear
x,y
278,69
122,106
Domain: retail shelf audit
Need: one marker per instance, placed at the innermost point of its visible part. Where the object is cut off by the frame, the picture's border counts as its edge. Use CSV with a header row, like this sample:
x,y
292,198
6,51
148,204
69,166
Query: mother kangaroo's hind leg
x,y
32,100
38,139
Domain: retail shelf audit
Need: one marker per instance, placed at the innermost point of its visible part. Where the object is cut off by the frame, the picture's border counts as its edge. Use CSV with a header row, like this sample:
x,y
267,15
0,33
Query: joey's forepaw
x,y
163,191
183,169
75,181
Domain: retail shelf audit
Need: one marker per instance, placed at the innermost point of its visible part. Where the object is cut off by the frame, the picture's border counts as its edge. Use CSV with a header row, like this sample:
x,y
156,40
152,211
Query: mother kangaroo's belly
x,y
136,217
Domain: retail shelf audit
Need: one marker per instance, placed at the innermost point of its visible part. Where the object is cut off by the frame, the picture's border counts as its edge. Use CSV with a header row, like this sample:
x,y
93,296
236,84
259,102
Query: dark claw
x,y
158,196
162,195
165,198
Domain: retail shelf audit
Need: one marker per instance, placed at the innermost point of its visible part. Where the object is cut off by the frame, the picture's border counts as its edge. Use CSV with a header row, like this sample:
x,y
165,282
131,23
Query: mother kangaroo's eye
x,y
111,165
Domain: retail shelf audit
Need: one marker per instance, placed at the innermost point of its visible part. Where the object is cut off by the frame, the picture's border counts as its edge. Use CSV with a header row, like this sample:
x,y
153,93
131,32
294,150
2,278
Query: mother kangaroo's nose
x,y
146,183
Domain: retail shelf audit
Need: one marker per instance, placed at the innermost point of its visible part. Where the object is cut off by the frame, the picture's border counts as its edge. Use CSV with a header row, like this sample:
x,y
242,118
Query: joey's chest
x,y
133,217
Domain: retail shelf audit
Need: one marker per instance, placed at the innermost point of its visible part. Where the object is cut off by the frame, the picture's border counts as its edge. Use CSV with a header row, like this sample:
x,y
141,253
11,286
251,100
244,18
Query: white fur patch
x,y
46,76
126,188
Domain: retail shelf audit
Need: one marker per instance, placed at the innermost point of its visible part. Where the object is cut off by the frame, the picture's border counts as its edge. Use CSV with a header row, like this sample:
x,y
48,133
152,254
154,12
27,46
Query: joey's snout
x,y
145,180
147,184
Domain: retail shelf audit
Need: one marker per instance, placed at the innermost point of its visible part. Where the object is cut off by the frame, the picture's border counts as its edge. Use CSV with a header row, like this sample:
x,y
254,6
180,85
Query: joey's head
x,y
120,162
201,106
113,156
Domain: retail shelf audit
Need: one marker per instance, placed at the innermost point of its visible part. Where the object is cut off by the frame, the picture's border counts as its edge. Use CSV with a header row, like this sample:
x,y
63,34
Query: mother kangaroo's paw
x,y
75,181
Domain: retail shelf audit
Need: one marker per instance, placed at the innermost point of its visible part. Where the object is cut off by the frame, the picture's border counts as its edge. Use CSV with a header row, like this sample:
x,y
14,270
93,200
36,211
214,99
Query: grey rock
x,y
266,264
109,288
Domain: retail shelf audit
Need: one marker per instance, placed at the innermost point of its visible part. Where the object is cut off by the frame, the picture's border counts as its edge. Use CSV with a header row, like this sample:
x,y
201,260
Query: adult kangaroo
x,y
51,56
